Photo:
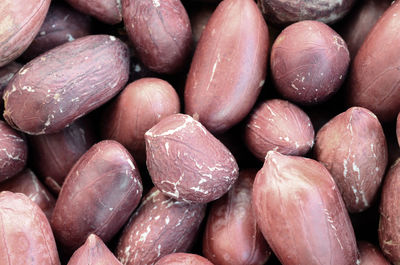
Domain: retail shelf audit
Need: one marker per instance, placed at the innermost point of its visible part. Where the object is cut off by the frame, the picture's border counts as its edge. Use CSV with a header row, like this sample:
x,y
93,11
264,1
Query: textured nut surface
x,y
186,162
160,32
13,151
27,183
389,222
107,11
93,252
152,99
229,66
371,255
374,82
232,215
301,213
62,24
309,62
26,234
53,155
160,226
98,195
20,21
183,259
352,146
65,83
289,11
280,126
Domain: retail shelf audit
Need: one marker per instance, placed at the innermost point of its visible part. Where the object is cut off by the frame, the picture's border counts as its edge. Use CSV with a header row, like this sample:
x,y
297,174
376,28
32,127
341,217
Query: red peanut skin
x,y
62,24
53,155
160,226
13,151
389,222
93,252
309,62
153,99
371,255
107,11
359,22
352,146
229,66
286,12
26,234
20,21
374,79
301,213
160,32
232,215
186,162
65,83
280,126
183,259
98,195
27,183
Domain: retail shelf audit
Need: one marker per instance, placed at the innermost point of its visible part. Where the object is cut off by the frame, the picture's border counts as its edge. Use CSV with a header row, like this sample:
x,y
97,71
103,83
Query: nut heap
x,y
179,132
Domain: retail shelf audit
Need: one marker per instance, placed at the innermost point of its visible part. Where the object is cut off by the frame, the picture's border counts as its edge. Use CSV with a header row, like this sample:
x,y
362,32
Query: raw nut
x,y
53,155
280,126
233,215
93,252
107,11
352,146
183,259
160,226
374,82
65,83
389,222
160,32
312,70
99,194
355,27
229,66
153,99
186,162
26,234
301,213
13,151
371,255
289,11
62,24
27,183
20,21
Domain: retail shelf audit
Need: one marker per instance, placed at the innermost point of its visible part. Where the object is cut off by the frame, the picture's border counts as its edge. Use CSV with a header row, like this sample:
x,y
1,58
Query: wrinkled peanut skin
x,y
20,21
99,194
93,252
65,83
26,234
229,66
233,215
374,82
301,213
